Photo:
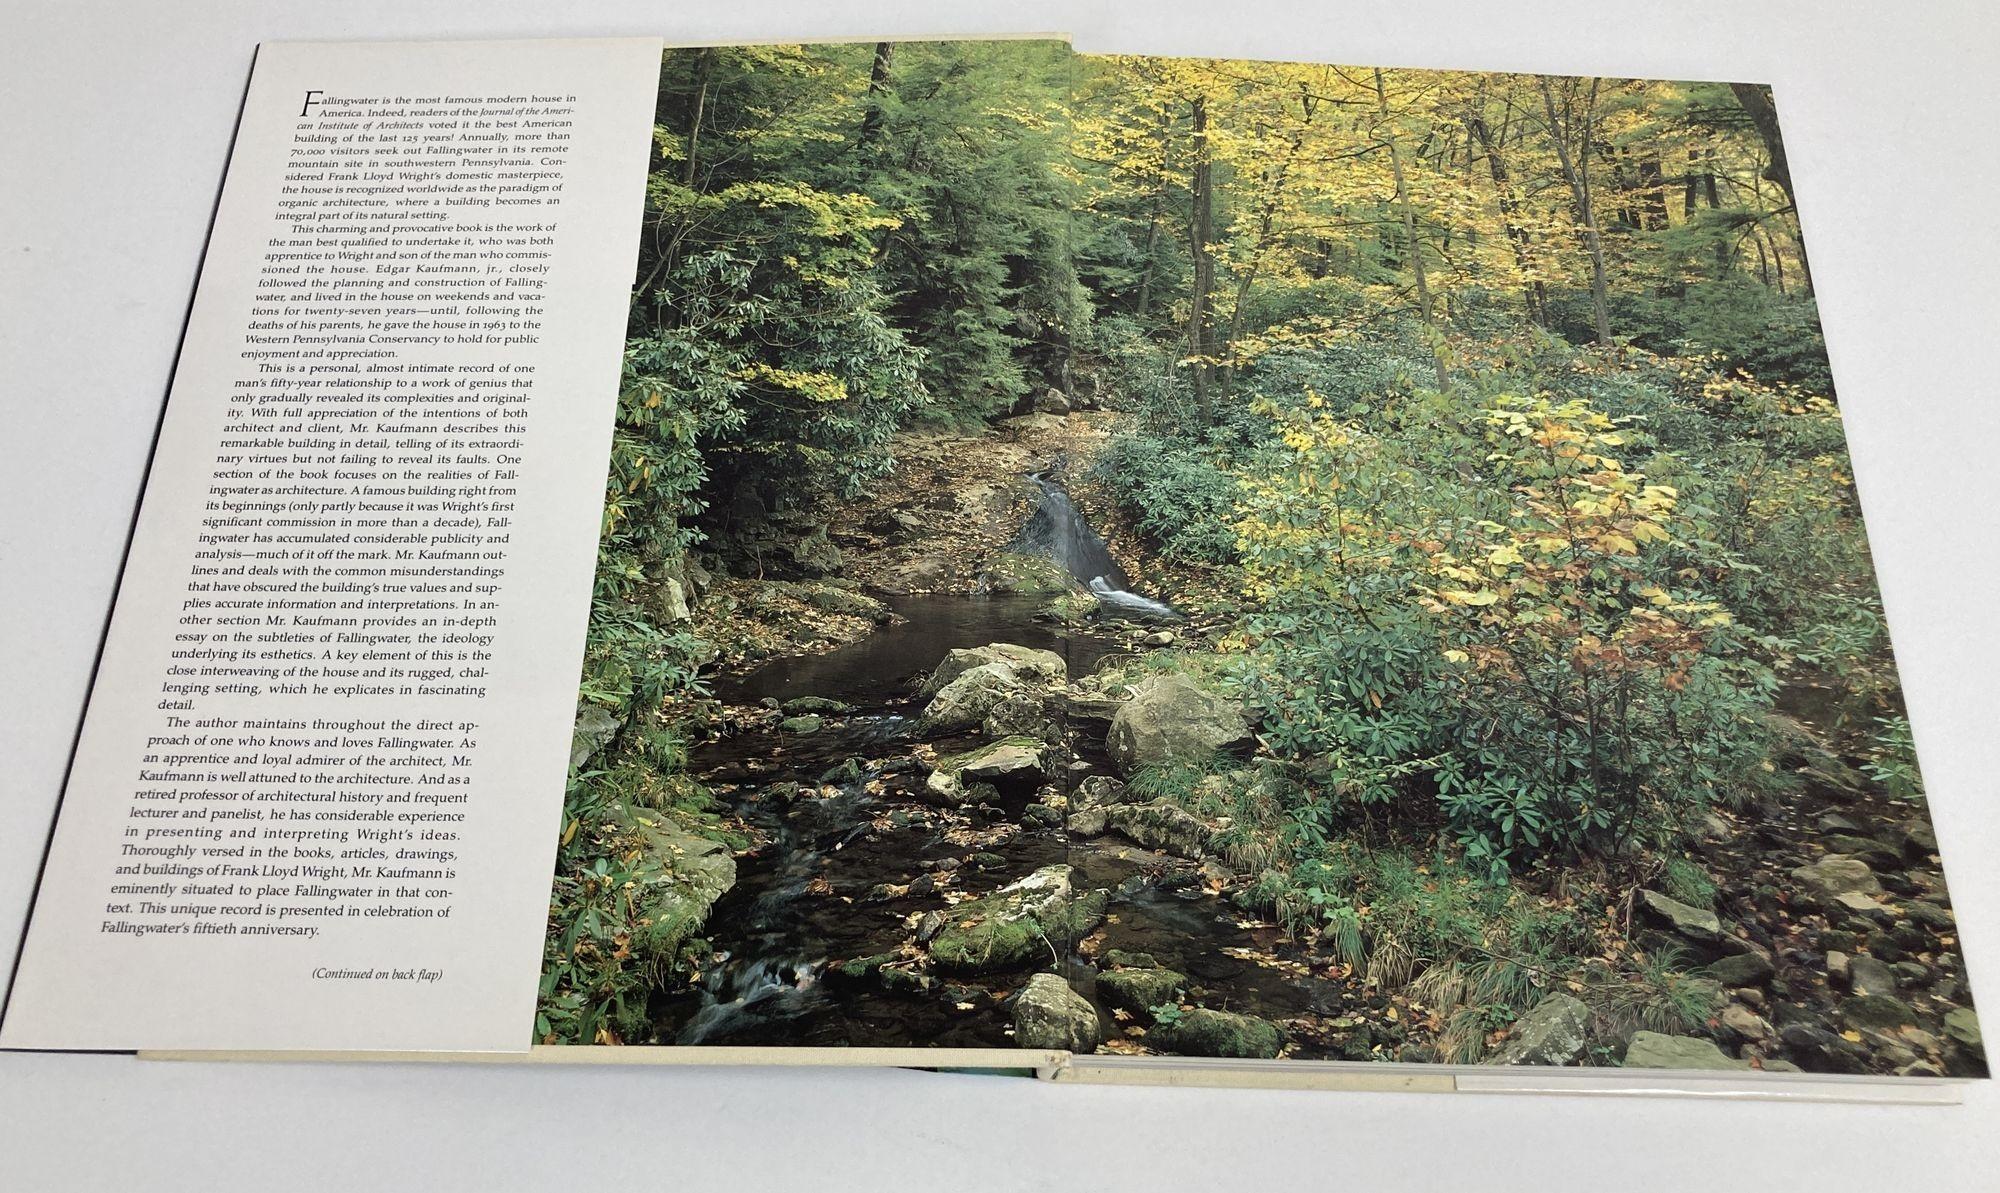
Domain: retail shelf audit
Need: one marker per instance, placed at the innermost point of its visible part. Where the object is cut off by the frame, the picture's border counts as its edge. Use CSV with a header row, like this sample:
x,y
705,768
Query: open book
x,y
982,555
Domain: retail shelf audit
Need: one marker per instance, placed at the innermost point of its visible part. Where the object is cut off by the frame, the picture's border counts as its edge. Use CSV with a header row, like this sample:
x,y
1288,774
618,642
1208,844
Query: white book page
x,y
316,797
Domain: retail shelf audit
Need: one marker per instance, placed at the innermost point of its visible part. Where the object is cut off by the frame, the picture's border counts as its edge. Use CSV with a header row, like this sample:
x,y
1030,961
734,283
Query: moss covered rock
x,y
1161,825
1026,575
1026,662
1171,717
1048,1014
1019,924
1140,989
1202,1032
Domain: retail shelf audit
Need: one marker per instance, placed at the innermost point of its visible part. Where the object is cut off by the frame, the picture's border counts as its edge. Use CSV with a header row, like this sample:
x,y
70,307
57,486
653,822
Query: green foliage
x,y
1892,759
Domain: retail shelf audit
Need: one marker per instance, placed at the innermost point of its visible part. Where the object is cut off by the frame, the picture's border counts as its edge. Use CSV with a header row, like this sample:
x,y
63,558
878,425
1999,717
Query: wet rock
x,y
1017,924
1553,1032
1170,717
1140,989
1128,959
799,705
1160,825
1653,1050
860,969
595,727
802,726
843,773
1041,816
1202,1032
1048,1014
903,978
1834,875
1866,975
1072,607
1877,1012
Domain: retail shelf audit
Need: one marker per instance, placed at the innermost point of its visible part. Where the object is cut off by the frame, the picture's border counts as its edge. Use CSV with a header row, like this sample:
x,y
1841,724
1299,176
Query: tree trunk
x,y
1201,231
1756,101
1416,250
1510,209
878,86
704,67
1576,172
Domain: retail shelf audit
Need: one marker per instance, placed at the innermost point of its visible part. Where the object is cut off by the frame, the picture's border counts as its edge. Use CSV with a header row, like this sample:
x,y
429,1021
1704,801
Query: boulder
x,y
1090,822
1020,715
1753,968
1693,929
1160,825
1010,756
1015,574
1202,1032
1653,1050
1097,791
1025,662
1553,1032
1022,922
1171,717
971,697
1835,875
595,727
1140,989
1053,401
673,601
802,726
815,554
1048,1014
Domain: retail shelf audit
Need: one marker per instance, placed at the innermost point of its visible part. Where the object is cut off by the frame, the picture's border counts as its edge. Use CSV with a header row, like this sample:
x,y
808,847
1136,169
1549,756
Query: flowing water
x,y
853,859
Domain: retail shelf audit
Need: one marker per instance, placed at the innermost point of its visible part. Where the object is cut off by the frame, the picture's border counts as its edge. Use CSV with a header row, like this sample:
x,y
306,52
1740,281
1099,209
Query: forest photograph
x,y
1153,556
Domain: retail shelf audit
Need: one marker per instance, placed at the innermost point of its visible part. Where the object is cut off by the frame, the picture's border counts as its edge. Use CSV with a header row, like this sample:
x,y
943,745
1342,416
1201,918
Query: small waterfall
x,y
1059,531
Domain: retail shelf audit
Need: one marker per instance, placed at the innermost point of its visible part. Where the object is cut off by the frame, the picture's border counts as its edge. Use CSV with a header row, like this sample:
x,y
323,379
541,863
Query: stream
x,y
854,862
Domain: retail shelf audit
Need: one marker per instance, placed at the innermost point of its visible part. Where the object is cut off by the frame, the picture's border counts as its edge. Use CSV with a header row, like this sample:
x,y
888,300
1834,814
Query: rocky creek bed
x,y
943,851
